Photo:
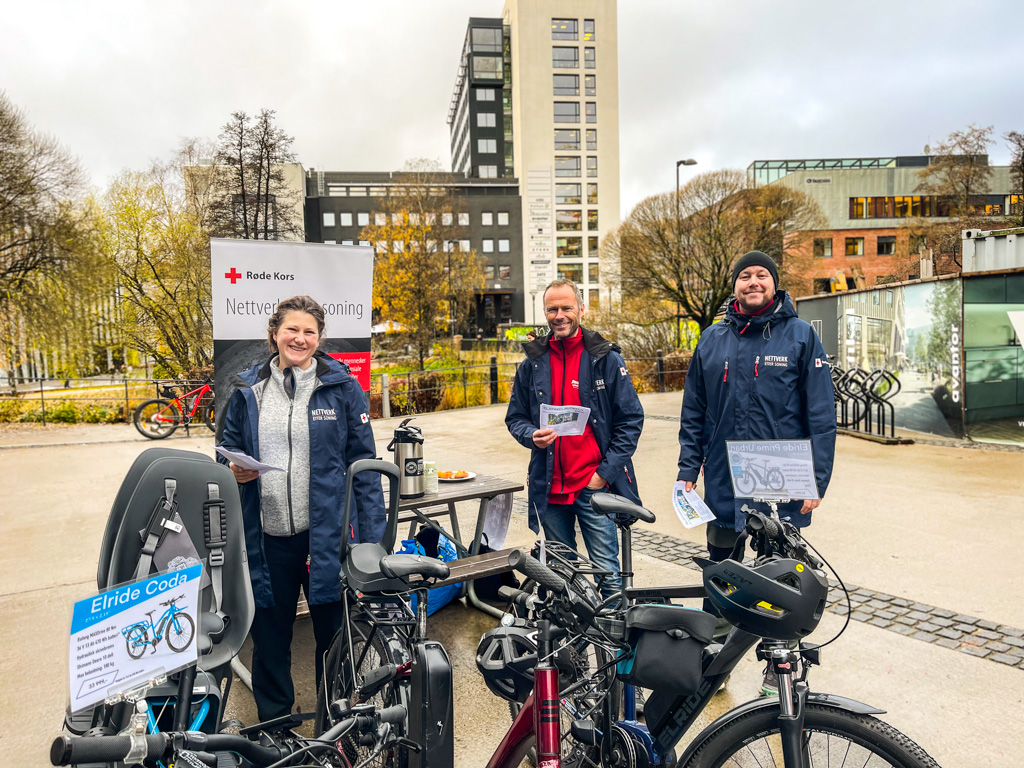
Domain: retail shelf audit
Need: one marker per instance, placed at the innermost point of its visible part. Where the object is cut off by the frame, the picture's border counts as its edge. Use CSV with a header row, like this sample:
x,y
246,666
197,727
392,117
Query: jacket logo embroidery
x,y
599,383
324,414
623,372
777,360
575,384
817,362
364,417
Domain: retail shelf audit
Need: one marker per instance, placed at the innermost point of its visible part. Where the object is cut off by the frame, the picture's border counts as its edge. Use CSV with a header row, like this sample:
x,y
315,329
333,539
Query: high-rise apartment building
x,y
536,99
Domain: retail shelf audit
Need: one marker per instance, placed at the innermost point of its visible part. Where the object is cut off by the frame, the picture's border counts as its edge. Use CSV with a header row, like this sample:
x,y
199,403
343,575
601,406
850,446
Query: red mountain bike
x,y
159,417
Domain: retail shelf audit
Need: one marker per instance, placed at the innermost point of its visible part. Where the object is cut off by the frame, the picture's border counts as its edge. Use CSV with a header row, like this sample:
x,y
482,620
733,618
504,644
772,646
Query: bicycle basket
x,y
667,641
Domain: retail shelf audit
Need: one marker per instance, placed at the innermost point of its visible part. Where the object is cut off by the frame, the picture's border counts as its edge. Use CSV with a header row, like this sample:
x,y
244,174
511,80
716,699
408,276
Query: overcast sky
x,y
366,85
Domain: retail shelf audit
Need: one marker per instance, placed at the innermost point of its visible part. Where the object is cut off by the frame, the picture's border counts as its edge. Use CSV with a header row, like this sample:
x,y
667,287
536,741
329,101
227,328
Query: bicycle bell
x,y
408,447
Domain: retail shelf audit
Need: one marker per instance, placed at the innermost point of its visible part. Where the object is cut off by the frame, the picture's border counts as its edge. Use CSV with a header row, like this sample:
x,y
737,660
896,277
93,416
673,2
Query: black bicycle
x,y
774,603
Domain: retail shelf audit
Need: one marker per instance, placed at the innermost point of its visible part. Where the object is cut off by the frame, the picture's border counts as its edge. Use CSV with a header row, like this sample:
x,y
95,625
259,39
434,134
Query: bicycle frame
x,y
183,403
158,627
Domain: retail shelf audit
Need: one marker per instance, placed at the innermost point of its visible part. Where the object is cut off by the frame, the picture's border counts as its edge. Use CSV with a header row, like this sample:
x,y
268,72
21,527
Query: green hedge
x,y
62,412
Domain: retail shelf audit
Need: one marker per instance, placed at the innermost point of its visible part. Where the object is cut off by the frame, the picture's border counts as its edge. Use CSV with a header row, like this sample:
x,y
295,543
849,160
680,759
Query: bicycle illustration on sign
x,y
772,469
759,477
174,625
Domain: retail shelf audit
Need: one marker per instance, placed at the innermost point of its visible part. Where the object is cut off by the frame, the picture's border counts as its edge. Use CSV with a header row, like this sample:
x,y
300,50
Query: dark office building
x,y
340,205
480,115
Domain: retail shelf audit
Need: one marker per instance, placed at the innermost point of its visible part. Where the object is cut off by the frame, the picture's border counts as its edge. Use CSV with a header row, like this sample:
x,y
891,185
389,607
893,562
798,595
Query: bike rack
x,y
862,400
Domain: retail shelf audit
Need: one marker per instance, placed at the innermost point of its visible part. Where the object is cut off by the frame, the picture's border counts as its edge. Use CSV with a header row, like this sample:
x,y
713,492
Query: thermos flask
x,y
408,447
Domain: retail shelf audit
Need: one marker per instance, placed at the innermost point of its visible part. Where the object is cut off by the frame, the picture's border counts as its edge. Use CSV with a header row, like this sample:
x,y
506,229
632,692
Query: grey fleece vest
x,y
284,442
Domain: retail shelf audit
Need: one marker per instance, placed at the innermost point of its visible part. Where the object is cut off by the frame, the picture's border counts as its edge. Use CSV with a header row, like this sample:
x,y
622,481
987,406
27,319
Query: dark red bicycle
x,y
159,417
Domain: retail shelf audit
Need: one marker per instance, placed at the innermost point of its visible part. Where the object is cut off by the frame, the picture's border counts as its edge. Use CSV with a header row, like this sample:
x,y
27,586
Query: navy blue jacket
x,y
339,434
616,416
724,400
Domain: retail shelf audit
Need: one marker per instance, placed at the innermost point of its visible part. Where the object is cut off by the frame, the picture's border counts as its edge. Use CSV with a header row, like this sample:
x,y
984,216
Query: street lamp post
x,y
679,252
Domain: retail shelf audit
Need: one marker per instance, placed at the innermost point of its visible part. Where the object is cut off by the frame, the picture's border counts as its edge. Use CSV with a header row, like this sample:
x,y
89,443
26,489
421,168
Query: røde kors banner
x,y
250,278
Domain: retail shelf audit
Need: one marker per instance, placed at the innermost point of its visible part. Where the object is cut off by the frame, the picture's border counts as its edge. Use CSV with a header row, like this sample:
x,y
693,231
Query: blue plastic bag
x,y
444,551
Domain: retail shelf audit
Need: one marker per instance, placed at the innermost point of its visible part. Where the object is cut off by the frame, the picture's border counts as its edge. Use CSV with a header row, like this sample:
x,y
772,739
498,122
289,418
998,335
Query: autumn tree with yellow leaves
x,y
421,278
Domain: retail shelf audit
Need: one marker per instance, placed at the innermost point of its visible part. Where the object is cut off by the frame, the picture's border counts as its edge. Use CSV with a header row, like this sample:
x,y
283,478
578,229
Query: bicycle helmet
x,y
778,598
506,657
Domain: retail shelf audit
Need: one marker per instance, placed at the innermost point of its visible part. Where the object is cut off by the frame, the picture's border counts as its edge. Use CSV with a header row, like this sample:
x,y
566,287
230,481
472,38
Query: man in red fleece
x,y
576,366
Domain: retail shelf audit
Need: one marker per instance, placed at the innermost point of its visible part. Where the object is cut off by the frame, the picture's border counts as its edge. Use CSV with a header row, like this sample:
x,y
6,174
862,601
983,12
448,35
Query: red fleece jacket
x,y
577,457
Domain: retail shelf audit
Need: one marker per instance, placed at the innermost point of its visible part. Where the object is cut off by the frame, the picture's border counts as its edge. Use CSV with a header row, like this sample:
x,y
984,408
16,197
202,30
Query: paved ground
x,y
927,533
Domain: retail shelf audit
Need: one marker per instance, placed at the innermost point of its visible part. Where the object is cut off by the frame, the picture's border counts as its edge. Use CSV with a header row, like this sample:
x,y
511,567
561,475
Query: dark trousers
x,y
718,554
272,627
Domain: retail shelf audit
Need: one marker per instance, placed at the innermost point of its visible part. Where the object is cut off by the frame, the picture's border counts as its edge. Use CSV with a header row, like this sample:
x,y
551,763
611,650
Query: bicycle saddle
x,y
618,506
403,566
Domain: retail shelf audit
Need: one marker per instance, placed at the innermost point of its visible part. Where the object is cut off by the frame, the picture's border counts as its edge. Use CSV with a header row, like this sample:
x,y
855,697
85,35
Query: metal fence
x,y
113,400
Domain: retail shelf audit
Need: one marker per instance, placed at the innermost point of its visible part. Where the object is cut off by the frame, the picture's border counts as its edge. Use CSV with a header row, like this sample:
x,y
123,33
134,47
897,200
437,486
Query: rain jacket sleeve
x,y
520,417
819,411
369,498
691,421
627,418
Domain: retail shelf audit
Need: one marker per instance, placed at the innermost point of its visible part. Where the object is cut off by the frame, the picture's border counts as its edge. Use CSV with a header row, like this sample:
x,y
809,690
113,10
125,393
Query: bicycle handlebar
x,y
534,569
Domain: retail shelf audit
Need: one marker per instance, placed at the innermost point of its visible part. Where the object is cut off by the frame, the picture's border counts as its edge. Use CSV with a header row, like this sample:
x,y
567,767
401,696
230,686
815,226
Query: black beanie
x,y
756,259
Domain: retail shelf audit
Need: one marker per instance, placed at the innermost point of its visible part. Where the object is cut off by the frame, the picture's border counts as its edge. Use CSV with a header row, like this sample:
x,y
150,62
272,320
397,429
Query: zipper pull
x,y
725,376
756,361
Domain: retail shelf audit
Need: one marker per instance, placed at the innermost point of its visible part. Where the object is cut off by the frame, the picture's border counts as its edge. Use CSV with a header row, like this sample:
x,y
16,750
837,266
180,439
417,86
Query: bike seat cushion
x,y
627,511
404,566
363,572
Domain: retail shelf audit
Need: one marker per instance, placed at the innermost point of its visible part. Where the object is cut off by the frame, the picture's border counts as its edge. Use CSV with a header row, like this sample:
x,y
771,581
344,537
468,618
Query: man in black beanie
x,y
760,374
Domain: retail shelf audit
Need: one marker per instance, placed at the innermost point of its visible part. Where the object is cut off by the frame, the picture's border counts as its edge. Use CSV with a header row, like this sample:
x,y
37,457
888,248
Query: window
x,y
487,67
463,219
888,299
364,242
822,285
886,245
487,120
875,298
331,242
565,57
594,301
504,246
488,271
447,218
502,218
592,139
487,39
589,58
567,166
487,218
592,220
569,247
488,245
588,30
823,247
565,29
592,167
363,218
485,94
449,246
592,194
348,242
857,207
345,219
380,219
855,246
566,85
592,246
594,272
487,146
568,221
567,111
590,85
567,138
329,219
505,272
397,219
487,172
397,246
570,271
591,111
567,194
464,246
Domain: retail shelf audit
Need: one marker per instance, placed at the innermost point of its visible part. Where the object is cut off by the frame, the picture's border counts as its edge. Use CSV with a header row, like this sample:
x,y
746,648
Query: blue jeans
x,y
599,535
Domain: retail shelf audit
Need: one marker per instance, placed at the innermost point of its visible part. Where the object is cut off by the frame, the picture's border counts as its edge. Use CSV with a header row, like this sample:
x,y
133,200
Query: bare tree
x,y
1016,143
250,196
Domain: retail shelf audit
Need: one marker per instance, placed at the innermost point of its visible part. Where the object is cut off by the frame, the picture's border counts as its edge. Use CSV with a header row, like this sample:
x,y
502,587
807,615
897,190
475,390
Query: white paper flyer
x,y
689,507
564,420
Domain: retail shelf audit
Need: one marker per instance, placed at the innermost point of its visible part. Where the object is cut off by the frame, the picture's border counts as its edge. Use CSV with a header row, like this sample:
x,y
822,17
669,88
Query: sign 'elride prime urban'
x,y
250,278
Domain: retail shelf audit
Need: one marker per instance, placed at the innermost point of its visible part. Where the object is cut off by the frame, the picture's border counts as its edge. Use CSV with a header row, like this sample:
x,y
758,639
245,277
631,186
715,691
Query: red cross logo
x,y
233,276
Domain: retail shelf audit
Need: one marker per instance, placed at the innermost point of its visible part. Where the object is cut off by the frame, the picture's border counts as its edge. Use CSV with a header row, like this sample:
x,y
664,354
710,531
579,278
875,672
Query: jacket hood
x,y
783,308
597,346
328,371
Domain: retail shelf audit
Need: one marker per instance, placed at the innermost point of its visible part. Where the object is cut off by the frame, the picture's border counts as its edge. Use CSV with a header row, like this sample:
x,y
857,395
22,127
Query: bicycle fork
x,y
792,705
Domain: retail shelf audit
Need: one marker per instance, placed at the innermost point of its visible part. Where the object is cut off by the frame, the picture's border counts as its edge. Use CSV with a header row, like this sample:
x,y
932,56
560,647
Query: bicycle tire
x,y
137,641
775,479
208,411
745,483
336,685
174,635
830,734
157,418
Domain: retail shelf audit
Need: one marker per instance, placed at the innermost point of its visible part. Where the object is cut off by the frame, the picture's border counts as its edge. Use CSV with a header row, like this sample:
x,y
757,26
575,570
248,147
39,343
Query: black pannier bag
x,y
667,642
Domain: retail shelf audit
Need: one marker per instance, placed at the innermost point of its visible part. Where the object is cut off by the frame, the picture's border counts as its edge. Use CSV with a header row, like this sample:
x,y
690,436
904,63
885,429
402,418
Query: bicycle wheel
x,y
137,641
833,737
208,412
179,631
745,482
157,419
337,684
775,479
